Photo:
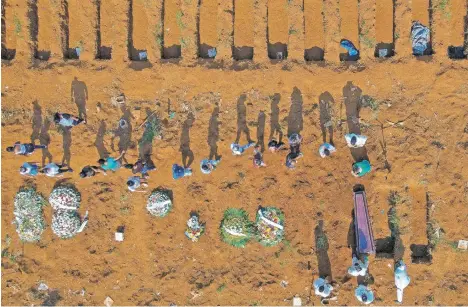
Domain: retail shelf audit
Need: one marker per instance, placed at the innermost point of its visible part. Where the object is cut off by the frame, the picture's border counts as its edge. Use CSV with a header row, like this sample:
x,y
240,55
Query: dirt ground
x,y
413,111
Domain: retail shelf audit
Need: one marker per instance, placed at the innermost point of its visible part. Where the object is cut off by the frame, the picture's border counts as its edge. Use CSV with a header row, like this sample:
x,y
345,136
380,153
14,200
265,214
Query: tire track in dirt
x,y
314,30
384,26
349,27
243,30
82,33
296,30
208,26
225,29
260,31
172,29
278,36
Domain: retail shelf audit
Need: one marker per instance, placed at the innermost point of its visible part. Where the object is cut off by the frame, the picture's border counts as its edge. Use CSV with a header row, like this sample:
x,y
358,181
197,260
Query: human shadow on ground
x,y
187,154
326,103
36,122
321,250
352,100
242,119
44,139
79,95
123,132
295,117
67,142
99,142
213,134
275,126
152,126
261,130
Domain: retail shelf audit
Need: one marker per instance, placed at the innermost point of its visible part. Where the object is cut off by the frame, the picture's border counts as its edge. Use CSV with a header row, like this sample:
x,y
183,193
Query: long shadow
x,y
152,129
36,121
352,100
44,139
213,134
295,118
321,250
79,95
99,142
242,119
67,142
261,130
275,126
352,235
326,103
123,132
187,154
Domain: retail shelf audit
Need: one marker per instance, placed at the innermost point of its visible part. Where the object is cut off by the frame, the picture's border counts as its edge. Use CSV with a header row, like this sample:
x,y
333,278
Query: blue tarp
x,y
420,38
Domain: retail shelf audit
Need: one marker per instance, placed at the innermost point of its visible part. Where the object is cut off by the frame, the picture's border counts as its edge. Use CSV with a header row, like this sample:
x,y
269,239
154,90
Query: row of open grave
x,y
239,36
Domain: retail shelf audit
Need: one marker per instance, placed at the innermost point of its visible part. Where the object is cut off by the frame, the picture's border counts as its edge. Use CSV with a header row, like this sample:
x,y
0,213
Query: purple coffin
x,y
362,226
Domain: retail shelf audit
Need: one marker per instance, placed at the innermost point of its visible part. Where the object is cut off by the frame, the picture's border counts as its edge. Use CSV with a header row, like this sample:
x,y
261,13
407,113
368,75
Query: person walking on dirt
x,y
180,171
207,166
294,150
361,168
90,171
30,169
142,167
322,287
275,146
24,149
402,279
66,120
55,170
134,183
358,268
364,294
326,149
258,157
238,150
111,164
355,140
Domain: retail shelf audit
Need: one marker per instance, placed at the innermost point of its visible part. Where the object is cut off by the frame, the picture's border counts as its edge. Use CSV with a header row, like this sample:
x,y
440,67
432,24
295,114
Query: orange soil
x,y
384,21
81,27
171,28
420,10
209,22
49,35
458,12
244,23
278,31
10,35
350,21
314,32
140,26
156,264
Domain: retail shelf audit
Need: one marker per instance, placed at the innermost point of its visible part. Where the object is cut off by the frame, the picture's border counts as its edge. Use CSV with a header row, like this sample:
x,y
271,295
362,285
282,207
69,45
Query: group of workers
x,y
363,293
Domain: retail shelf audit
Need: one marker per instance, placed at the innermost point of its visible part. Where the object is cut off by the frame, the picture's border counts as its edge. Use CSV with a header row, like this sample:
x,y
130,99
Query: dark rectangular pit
x,y
314,54
384,50
243,53
274,51
203,51
172,52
